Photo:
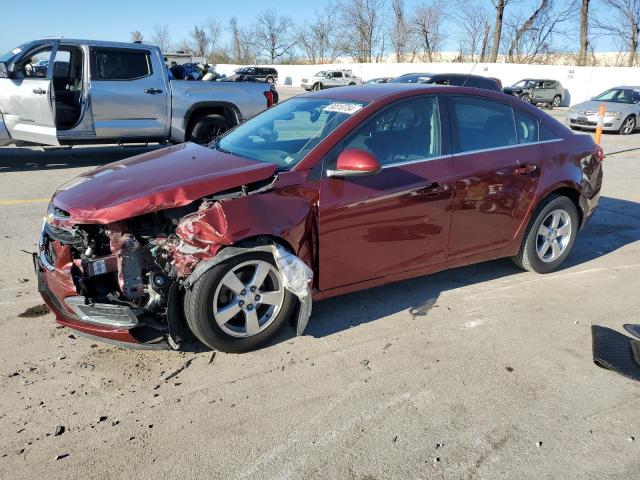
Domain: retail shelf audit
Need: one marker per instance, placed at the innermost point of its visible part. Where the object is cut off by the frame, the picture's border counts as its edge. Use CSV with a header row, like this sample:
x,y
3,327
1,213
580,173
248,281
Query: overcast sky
x,y
116,19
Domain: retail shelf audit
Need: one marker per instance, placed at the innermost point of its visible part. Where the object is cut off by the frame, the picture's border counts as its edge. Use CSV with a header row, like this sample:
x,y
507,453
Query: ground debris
x,y
60,456
59,430
212,357
35,311
23,280
179,370
509,369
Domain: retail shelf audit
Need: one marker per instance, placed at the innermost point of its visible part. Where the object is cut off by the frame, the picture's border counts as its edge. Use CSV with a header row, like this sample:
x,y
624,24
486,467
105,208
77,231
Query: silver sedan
x,y
622,111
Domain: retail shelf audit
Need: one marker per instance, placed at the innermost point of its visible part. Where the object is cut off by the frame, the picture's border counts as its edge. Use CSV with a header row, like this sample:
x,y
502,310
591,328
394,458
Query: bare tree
x,y
160,36
499,6
584,32
531,40
400,31
362,26
427,24
317,38
473,30
241,47
199,41
624,25
136,37
273,34
213,30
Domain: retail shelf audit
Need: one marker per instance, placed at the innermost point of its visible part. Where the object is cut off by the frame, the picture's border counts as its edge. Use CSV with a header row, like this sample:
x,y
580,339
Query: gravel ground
x,y
478,372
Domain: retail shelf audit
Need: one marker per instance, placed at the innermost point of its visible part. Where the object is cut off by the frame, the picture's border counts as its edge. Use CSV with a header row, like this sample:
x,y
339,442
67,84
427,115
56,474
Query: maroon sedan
x,y
327,193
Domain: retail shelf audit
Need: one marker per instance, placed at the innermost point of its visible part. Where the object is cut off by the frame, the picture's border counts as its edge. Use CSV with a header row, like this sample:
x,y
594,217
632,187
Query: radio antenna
x,y
469,74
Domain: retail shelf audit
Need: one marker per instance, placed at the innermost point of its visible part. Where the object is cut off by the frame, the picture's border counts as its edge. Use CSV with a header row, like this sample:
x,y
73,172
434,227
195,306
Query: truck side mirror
x,y
4,71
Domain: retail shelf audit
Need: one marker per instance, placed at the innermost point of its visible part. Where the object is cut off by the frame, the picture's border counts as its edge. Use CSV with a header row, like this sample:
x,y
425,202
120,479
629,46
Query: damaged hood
x,y
158,180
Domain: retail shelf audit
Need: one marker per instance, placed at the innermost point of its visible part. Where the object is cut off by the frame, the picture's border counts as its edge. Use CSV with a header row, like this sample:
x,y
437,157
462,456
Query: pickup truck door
x,y
28,99
129,93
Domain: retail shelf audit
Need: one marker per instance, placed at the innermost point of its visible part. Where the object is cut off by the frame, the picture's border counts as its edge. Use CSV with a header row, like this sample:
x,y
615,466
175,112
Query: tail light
x,y
598,153
269,96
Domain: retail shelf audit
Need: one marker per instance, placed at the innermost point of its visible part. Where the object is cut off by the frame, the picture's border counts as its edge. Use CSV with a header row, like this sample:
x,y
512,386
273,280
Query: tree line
x,y
364,31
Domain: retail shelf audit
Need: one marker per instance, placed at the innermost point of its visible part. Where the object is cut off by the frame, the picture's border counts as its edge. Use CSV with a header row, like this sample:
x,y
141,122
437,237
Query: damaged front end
x,y
124,281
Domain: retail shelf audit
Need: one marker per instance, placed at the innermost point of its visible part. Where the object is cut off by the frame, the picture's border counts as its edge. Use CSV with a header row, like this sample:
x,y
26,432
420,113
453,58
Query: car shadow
x,y
615,224
27,159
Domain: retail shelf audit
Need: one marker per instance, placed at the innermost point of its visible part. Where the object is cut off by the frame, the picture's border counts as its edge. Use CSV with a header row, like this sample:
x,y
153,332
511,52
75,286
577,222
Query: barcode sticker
x,y
348,108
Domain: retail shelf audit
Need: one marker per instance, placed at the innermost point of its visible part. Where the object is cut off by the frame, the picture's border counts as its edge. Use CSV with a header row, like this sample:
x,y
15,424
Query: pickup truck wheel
x,y
207,128
526,98
240,304
317,86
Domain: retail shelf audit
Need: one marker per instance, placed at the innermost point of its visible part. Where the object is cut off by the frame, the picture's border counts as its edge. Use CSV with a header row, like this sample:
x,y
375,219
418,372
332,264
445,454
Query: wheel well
x,y
266,240
226,112
573,195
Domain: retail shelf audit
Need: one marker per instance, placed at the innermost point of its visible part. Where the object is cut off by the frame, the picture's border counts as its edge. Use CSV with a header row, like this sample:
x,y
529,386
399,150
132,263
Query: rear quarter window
x,y
547,134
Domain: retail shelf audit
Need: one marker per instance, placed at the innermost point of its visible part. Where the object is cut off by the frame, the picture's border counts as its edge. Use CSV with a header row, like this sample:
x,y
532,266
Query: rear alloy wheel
x,y
550,235
239,304
557,100
208,128
628,126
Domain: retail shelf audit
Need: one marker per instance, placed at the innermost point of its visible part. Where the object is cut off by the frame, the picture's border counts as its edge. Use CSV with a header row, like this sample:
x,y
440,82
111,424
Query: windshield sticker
x,y
348,108
16,51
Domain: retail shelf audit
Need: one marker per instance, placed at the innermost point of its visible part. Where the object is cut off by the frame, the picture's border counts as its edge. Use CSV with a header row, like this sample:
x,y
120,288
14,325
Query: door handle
x,y
526,169
152,91
435,189
39,91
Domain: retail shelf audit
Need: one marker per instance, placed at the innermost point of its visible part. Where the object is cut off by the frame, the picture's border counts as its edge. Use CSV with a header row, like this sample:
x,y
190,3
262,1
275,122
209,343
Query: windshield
x,y
525,83
284,134
619,95
6,58
411,78
321,73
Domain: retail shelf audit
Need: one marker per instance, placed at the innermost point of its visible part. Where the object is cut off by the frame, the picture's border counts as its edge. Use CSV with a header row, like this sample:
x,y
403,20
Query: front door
x,y
496,173
398,219
128,94
28,97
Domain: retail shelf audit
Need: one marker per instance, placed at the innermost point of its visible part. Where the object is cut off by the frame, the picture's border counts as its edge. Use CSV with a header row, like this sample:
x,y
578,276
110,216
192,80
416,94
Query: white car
x,y
330,78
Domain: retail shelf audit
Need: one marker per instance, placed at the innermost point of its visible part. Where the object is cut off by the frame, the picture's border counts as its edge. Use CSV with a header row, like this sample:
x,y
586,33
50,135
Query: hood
x,y
593,106
158,180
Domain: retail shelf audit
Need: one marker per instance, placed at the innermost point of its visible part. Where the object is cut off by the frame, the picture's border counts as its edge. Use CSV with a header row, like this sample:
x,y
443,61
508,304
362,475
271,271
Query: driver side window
x,y
404,132
35,64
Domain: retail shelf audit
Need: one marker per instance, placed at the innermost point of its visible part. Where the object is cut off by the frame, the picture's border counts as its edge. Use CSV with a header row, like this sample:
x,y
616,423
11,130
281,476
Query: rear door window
x,y
120,64
481,124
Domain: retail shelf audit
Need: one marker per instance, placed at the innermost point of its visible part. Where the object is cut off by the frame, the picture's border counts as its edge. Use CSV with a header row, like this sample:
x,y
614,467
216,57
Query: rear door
x,y
398,219
129,97
28,97
496,169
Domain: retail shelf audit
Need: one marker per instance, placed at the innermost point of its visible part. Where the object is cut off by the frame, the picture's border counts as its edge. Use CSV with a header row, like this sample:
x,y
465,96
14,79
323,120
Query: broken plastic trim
x,y
296,275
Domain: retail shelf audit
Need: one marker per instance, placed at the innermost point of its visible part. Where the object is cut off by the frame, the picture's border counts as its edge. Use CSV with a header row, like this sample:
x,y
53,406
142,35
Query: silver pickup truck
x,y
60,91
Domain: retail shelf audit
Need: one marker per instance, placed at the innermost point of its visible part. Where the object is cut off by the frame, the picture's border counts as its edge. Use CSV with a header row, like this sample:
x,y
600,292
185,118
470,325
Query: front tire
x,y
207,128
317,86
550,235
239,304
628,125
526,98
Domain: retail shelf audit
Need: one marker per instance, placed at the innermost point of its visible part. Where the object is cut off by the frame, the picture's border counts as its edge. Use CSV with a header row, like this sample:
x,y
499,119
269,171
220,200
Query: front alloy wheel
x,y
557,100
239,304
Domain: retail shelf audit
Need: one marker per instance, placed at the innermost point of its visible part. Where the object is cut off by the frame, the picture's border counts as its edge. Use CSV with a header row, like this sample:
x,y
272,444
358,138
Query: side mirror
x,y
355,162
4,72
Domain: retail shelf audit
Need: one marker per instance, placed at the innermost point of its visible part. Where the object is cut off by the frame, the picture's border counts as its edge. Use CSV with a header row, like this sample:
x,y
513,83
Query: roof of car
x,y
106,43
375,91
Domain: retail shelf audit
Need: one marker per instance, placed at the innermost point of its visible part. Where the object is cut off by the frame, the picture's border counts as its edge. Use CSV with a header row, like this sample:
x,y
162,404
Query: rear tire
x,y
207,128
550,235
557,100
210,303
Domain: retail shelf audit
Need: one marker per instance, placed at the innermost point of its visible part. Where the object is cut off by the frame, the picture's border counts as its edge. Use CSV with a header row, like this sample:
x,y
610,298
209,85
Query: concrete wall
x,y
580,83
